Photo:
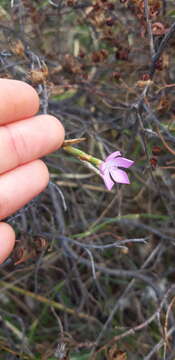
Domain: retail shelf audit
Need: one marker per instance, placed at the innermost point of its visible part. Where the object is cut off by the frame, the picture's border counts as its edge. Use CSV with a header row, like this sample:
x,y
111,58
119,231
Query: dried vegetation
x,y
92,275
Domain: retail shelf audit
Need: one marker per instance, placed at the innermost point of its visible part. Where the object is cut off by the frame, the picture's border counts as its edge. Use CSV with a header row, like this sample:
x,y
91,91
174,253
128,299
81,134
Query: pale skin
x,y
24,138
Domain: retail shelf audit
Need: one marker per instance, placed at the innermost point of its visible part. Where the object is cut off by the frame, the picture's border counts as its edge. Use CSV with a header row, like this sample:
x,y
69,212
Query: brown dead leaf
x,y
115,354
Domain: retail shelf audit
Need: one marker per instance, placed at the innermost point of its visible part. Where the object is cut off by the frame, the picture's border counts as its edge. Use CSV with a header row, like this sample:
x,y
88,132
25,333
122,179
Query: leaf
x,y
115,354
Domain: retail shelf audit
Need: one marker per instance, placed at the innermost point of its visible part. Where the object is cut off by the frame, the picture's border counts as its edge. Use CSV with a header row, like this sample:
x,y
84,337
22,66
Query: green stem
x,y
4,285
82,155
94,229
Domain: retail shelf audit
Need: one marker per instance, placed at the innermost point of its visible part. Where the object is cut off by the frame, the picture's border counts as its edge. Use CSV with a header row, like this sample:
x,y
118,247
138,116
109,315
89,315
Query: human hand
x,y
24,138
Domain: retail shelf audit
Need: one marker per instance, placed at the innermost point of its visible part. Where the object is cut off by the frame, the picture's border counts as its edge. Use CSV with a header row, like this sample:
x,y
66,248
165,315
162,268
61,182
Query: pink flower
x,y
111,172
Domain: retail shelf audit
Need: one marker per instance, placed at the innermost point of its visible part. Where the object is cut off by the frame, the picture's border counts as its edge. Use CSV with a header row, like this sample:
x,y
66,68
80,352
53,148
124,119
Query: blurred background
x,y
92,274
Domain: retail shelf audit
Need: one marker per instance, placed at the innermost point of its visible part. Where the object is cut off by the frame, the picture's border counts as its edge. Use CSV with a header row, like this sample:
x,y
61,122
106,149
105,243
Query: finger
x,y
19,186
7,241
18,101
29,139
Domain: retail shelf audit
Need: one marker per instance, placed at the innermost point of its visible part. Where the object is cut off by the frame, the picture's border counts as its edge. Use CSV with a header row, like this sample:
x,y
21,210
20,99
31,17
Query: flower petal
x,y
123,162
119,176
109,183
102,167
113,155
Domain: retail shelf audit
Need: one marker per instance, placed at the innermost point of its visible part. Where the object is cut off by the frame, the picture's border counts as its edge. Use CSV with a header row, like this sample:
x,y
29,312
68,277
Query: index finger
x,y
18,100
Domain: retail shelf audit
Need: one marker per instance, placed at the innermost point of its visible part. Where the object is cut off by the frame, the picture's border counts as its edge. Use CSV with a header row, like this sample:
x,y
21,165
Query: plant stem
x,y
82,155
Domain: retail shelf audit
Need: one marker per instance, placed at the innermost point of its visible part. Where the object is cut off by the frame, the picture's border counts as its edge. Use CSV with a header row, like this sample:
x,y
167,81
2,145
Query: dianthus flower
x,y
110,169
